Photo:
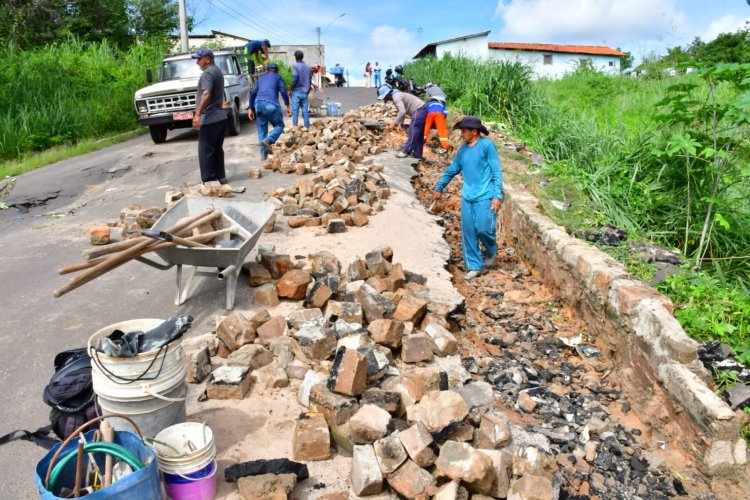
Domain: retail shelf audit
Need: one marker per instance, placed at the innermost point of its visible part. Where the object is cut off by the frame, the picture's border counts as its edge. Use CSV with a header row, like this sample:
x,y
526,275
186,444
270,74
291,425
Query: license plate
x,y
183,115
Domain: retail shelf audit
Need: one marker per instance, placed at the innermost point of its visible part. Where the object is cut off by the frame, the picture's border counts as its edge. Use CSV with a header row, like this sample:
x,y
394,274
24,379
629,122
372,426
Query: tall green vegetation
x,y
68,91
666,159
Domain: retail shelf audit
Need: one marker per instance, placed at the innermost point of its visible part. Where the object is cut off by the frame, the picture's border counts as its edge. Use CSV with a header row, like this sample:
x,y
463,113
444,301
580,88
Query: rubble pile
x,y
336,197
378,111
380,375
324,144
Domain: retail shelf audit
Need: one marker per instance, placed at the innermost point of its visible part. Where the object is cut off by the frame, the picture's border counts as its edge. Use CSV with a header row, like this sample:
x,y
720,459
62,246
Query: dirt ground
x,y
513,290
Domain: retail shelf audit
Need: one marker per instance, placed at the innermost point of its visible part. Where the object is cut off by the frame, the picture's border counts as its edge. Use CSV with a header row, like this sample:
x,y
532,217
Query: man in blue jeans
x,y
481,194
301,85
264,104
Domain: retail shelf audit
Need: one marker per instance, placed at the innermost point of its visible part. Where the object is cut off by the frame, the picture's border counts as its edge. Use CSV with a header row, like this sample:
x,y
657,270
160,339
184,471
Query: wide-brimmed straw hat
x,y
471,122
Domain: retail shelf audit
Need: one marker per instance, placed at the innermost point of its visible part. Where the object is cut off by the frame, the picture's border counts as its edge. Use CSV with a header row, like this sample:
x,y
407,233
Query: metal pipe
x,y
226,272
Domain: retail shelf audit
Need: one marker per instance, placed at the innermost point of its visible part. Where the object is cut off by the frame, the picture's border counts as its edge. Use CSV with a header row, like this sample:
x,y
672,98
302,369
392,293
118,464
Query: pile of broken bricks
x,y
325,143
378,373
336,197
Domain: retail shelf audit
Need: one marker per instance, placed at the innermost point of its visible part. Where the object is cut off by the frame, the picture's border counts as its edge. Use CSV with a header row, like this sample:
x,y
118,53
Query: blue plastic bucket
x,y
198,485
143,483
334,108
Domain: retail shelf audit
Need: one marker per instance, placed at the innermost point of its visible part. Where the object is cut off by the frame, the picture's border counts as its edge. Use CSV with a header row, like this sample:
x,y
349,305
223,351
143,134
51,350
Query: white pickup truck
x,y
170,103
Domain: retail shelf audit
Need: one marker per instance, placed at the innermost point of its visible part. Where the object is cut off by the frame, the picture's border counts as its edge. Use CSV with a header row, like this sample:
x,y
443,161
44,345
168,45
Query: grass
x,y
608,153
36,160
67,92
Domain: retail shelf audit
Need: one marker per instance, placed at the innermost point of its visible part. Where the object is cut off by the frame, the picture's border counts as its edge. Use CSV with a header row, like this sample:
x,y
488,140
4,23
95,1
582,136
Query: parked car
x,y
170,102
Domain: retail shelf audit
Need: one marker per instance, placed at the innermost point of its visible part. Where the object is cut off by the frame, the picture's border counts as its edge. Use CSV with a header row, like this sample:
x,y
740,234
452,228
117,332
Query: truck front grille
x,y
176,102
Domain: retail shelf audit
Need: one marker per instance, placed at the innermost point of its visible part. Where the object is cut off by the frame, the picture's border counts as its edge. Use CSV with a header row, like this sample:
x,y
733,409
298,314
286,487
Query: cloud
x,y
589,21
725,24
389,43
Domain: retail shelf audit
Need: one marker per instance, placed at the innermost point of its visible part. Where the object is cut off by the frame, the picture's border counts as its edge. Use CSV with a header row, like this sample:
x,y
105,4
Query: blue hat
x,y
384,91
273,67
203,52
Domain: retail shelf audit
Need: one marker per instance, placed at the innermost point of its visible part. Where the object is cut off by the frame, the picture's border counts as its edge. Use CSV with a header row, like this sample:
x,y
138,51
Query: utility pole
x,y
320,51
183,27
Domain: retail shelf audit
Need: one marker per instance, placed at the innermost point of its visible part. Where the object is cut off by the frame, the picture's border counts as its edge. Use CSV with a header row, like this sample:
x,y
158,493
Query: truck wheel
x,y
233,126
158,133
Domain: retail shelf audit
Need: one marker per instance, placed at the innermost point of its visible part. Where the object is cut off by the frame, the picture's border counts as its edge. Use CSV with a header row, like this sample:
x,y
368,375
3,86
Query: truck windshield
x,y
187,68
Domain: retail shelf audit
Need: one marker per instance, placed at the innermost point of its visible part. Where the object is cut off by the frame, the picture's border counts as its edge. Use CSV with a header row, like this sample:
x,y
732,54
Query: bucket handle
x,y
125,381
213,473
147,389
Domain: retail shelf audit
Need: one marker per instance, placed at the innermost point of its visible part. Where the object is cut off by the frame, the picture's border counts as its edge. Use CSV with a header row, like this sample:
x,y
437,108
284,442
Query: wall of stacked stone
x,y
633,318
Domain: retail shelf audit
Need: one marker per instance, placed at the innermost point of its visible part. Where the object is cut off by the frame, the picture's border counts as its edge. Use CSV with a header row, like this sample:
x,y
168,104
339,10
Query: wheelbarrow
x,y
316,104
225,262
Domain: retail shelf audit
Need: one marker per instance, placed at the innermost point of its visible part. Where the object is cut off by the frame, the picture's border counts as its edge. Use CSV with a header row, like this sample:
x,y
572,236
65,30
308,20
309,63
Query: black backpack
x,y
70,393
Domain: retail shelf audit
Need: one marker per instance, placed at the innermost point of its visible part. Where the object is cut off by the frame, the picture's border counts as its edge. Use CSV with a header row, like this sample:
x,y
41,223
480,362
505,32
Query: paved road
x,y
33,245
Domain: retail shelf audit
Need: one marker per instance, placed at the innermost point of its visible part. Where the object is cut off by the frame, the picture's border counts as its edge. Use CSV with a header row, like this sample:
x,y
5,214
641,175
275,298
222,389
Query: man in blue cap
x,y
481,195
264,104
210,118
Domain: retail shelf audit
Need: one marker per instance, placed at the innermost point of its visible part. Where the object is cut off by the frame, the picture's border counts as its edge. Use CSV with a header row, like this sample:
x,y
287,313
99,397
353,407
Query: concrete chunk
x,y
369,424
235,330
312,441
390,453
411,481
438,409
366,476
461,462
418,442
349,373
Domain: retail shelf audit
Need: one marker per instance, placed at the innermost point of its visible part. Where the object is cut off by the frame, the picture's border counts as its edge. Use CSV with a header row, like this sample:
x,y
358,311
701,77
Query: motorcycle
x,y
395,79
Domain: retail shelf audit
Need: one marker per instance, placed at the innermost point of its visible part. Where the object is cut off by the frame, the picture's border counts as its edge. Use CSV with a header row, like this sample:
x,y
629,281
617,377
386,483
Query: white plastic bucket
x,y
184,448
149,387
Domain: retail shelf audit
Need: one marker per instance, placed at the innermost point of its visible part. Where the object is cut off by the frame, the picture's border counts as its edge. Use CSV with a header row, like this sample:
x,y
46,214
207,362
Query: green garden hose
x,y
113,449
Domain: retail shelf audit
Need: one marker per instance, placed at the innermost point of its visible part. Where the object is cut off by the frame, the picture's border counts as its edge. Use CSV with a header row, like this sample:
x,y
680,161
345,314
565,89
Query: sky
x,y
355,32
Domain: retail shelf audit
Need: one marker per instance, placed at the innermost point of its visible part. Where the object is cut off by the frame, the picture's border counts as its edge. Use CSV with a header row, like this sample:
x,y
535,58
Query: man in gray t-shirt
x,y
210,118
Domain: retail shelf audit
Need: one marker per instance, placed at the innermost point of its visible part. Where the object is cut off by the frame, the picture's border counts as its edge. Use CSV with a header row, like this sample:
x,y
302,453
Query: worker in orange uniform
x,y
436,115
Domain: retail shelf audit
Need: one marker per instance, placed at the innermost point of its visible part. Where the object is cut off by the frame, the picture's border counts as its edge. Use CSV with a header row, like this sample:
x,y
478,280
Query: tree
x,y
626,61
33,23
152,18
29,23
727,48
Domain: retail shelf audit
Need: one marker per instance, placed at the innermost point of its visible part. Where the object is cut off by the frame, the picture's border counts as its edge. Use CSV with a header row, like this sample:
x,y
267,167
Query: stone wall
x,y
634,320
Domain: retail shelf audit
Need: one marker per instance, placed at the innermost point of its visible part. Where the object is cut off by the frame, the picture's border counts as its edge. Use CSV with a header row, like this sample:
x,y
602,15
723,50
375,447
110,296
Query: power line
x,y
235,13
271,24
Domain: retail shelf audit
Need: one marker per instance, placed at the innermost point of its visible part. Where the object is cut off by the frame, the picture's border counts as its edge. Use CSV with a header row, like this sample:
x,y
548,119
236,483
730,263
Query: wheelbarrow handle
x,y
164,236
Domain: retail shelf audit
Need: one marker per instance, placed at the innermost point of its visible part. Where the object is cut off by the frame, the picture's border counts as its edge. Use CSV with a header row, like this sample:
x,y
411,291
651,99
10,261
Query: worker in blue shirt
x,y
301,86
259,50
481,195
264,104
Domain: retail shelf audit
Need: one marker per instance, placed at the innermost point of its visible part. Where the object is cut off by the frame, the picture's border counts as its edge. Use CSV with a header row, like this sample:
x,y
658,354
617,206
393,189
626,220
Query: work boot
x,y
263,156
473,274
268,146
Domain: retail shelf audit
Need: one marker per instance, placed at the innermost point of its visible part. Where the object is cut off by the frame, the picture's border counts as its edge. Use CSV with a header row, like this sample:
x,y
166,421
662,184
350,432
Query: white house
x,y
546,60
554,61
471,46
